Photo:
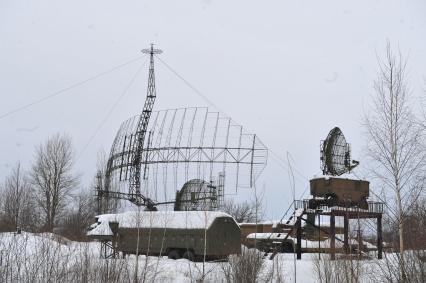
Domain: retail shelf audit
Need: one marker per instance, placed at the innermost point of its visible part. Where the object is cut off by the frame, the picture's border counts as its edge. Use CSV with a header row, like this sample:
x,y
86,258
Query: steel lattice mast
x,y
135,172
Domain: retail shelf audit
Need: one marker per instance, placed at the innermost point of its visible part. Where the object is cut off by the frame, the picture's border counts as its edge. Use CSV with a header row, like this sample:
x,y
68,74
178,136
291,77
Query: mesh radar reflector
x,y
336,154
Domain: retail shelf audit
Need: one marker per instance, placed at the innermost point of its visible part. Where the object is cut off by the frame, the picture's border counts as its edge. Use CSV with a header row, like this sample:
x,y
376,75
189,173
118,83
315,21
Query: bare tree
x,y
78,218
395,139
245,211
52,177
17,204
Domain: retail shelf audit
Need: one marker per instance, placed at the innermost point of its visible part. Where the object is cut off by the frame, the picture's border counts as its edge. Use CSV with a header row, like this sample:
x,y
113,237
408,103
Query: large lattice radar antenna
x,y
156,153
336,154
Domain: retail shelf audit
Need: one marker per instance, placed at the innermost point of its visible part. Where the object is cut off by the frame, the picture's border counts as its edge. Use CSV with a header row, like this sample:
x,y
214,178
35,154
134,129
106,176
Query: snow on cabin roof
x,y
163,219
271,236
350,176
101,229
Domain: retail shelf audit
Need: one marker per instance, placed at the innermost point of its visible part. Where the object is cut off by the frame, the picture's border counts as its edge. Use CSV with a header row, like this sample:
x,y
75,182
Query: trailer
x,y
194,235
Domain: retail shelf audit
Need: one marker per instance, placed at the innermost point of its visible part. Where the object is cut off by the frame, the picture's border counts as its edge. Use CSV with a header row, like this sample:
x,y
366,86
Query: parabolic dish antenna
x,y
336,154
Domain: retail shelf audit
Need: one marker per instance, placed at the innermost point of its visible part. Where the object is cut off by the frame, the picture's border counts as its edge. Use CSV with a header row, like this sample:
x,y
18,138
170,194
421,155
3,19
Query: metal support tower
x,y
135,172
374,211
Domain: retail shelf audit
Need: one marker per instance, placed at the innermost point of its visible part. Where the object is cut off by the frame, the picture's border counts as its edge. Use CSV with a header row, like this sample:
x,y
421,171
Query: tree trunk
x,y
401,232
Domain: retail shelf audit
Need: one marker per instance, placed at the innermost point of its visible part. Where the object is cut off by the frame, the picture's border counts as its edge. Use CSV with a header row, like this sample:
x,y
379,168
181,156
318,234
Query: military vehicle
x,y
177,234
339,192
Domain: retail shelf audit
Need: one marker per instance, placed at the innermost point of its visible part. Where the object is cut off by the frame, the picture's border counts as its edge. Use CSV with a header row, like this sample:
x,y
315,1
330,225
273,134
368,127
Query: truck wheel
x,y
174,254
189,255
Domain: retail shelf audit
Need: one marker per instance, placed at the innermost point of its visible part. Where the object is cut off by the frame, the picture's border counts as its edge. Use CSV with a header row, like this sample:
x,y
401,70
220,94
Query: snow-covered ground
x,y
38,257
46,257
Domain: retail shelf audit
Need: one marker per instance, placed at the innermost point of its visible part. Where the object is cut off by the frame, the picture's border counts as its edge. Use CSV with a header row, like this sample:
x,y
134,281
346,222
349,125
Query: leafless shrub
x,y
203,272
276,272
339,270
76,219
415,261
88,267
388,269
246,267
45,258
415,223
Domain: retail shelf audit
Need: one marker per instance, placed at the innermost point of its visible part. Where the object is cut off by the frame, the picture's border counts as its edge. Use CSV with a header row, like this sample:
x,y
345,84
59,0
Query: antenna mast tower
x,y
135,172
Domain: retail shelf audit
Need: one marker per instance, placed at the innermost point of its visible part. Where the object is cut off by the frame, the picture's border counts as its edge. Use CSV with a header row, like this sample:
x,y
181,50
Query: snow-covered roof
x,y
274,223
100,229
258,223
156,219
350,176
271,236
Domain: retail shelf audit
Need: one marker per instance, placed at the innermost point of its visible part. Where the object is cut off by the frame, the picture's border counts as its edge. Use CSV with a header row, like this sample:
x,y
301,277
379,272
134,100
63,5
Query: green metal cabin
x,y
177,234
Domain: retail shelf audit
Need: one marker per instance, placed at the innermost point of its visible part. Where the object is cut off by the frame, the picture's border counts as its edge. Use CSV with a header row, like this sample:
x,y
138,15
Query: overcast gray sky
x,y
288,71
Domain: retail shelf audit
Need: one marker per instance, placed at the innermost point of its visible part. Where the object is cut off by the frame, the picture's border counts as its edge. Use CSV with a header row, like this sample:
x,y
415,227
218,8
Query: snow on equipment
x,y
176,234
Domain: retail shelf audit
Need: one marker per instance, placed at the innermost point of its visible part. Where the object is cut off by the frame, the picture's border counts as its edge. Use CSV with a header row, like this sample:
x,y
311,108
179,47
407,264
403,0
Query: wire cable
x,y
191,86
62,91
283,162
278,159
102,123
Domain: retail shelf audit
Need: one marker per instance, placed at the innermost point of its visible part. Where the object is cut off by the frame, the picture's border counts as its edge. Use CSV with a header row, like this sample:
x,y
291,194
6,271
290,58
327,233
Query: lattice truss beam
x,y
183,144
